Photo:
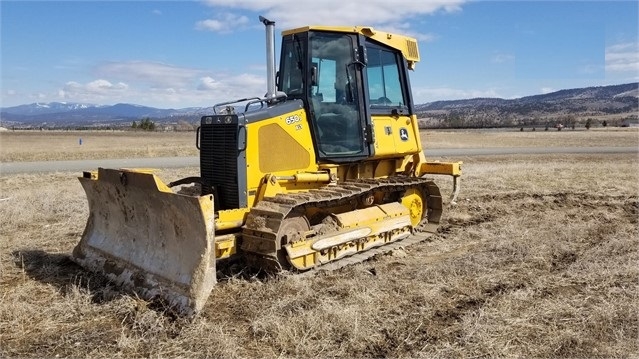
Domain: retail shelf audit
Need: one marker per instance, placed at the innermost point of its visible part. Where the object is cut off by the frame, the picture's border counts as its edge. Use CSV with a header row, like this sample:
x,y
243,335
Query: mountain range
x,y
614,102
65,114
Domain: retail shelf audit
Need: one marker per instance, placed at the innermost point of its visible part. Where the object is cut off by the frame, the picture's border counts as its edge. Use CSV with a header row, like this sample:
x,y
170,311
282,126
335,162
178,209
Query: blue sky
x,y
175,54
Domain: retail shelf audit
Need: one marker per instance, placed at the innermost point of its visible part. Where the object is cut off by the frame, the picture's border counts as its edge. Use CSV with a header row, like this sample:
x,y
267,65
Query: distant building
x,y
630,122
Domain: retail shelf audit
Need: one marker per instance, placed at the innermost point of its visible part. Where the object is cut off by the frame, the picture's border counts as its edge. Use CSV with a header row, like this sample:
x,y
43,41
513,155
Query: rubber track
x,y
275,209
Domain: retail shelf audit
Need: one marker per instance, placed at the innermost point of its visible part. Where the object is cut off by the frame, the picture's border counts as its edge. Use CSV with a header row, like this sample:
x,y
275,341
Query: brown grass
x,y
598,137
538,259
64,145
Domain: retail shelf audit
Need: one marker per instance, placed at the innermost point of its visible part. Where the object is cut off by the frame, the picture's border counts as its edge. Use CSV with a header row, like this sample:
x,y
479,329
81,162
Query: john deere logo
x,y
403,134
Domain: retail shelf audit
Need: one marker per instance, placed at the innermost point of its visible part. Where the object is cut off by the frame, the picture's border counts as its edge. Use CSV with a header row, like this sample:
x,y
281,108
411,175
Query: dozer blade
x,y
148,239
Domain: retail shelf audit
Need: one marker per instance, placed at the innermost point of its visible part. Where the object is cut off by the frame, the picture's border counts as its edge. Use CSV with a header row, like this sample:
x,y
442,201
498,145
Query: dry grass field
x,y
538,259
599,137
65,145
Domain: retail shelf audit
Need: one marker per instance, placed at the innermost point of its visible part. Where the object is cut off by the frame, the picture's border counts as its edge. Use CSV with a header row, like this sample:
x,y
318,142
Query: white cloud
x,y
379,13
208,83
197,91
156,12
224,23
102,86
545,90
623,58
501,58
154,74
211,25
233,87
92,91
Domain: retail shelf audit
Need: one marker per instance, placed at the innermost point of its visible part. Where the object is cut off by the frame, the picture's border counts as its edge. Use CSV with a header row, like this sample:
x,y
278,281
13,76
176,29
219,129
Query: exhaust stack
x,y
270,58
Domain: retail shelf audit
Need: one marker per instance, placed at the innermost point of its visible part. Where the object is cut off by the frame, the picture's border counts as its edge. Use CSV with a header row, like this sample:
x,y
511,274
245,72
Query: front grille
x,y
219,162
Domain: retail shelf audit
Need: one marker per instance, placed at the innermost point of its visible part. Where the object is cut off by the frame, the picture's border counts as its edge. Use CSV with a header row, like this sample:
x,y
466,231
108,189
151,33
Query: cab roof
x,y
407,45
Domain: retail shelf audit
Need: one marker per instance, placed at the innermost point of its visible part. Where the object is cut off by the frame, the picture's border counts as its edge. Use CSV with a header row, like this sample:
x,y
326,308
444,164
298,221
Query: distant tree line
x,y
145,124
459,119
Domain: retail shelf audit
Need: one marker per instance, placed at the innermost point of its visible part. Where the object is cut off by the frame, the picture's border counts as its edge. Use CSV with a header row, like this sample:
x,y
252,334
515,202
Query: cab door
x,y
337,98
390,103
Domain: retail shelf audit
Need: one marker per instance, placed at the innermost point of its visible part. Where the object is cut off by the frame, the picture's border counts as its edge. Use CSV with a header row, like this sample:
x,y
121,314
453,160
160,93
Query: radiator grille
x,y
219,163
413,53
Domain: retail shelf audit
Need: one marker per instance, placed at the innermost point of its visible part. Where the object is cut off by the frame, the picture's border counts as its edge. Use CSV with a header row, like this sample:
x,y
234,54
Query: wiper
x,y
298,48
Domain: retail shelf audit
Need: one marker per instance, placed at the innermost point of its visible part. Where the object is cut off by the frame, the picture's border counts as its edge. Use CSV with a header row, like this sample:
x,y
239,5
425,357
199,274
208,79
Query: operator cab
x,y
343,78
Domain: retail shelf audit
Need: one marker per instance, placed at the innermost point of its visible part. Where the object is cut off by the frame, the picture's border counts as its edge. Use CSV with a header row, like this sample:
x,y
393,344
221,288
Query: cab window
x,y
384,82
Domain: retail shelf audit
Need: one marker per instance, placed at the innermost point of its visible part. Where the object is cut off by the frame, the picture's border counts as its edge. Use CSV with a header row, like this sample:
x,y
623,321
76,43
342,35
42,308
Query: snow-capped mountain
x,y
40,108
68,114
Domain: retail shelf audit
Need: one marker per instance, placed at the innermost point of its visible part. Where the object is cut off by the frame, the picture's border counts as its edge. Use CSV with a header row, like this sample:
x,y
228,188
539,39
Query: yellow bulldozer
x,y
325,170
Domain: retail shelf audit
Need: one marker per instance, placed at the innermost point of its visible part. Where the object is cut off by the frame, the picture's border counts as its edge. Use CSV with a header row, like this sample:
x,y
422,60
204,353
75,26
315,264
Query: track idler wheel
x,y
414,200
292,229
